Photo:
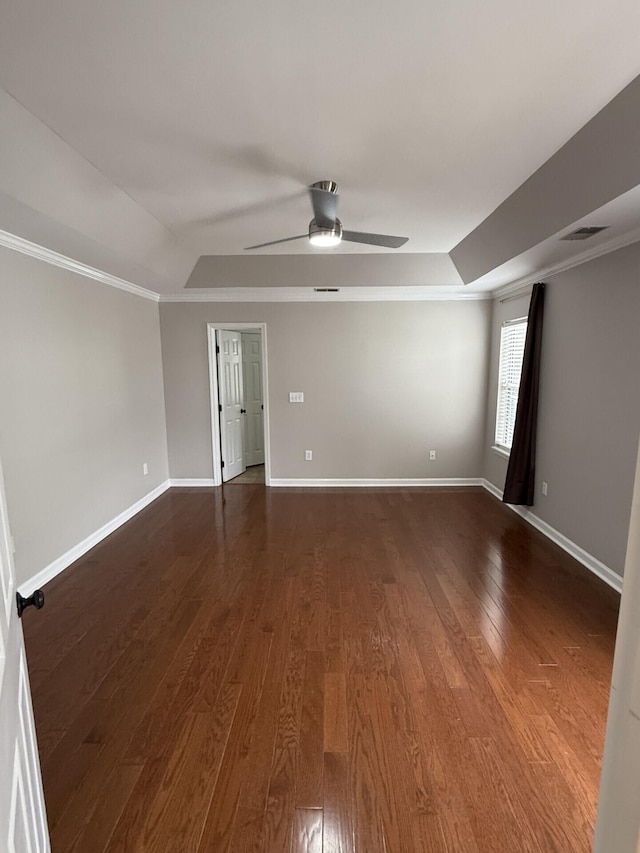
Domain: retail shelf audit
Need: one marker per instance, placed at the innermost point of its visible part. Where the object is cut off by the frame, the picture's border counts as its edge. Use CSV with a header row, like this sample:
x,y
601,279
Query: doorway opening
x,y
239,402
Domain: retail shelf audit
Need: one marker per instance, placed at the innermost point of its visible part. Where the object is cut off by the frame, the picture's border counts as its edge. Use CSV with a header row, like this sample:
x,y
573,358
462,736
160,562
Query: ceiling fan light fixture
x,y
325,236
325,229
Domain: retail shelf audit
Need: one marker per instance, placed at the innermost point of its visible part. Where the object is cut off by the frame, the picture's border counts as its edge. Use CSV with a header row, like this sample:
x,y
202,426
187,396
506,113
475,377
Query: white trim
x,y
26,247
584,257
400,293
520,287
526,290
501,451
358,483
214,397
437,293
192,483
495,491
594,565
65,560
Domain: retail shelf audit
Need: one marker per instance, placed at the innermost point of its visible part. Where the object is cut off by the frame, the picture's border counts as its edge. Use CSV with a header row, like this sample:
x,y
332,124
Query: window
x,y
512,340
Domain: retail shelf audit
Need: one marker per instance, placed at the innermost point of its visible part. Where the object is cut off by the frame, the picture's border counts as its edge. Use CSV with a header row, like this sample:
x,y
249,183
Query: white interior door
x,y
23,824
253,398
618,823
231,403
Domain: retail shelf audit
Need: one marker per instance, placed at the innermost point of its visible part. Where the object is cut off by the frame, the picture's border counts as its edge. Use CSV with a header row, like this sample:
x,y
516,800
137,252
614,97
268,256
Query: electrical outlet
x,y
308,455
432,455
296,396
145,469
545,488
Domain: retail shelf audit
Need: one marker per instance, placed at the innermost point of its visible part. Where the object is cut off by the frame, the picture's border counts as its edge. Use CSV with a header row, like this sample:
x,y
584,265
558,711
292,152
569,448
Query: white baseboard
x,y
191,483
65,560
495,491
349,484
594,565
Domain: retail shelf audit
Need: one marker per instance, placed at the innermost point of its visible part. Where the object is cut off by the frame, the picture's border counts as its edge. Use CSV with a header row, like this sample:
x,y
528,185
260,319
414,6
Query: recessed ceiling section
x,y
324,271
623,216
52,196
214,117
597,165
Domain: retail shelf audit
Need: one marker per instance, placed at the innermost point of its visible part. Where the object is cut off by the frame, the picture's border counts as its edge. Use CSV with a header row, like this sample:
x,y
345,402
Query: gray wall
x,y
411,269
589,417
82,402
384,383
81,405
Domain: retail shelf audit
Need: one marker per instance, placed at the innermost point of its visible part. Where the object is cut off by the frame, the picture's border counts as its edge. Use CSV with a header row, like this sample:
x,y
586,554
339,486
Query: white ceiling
x,y
213,116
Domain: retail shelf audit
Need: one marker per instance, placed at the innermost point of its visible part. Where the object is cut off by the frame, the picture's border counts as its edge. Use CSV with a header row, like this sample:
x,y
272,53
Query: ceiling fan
x,y
325,229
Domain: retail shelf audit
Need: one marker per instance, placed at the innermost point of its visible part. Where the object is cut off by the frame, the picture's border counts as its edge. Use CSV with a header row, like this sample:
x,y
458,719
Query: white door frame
x,y
618,821
214,396
23,820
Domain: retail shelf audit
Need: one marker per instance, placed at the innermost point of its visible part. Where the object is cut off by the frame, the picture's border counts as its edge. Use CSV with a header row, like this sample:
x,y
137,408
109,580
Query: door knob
x,y
37,599
243,411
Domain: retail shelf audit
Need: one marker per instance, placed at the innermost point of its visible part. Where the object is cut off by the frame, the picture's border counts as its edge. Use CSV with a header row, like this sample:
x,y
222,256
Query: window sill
x,y
501,451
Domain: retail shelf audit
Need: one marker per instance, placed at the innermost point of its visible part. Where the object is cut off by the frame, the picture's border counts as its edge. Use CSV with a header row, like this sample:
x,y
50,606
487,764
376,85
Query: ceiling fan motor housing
x,y
325,229
325,186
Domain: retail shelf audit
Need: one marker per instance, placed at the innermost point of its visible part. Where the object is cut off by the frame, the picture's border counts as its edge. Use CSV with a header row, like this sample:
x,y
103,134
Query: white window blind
x,y
512,340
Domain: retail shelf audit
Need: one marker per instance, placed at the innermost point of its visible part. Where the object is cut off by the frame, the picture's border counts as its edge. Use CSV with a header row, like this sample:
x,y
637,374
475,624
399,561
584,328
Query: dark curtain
x,y
519,485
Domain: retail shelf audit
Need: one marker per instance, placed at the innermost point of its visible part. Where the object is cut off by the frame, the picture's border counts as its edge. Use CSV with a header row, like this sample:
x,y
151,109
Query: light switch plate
x,y
296,396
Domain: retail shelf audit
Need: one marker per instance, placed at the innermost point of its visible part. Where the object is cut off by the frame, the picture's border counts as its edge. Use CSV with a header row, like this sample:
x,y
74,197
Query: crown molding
x,y
26,247
400,293
521,284
437,293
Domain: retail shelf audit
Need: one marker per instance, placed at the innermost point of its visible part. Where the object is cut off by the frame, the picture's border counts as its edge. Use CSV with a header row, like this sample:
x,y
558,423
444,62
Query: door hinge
x,y
222,464
217,348
219,407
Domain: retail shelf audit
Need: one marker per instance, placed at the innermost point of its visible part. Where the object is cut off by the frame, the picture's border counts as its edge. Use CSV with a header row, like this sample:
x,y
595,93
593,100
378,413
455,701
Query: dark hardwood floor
x,y
336,671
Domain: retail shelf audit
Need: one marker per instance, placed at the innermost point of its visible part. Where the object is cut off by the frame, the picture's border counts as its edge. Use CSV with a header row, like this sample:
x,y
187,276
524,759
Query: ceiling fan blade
x,y
249,209
275,242
324,203
385,240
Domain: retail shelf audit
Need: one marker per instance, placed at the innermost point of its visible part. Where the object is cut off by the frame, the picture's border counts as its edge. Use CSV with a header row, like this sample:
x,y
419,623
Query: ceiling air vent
x,y
585,233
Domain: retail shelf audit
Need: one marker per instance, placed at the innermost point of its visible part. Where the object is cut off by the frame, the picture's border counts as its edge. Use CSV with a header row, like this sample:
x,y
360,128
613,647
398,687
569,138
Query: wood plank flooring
x,y
336,671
